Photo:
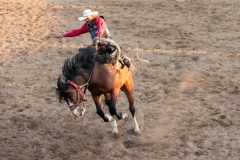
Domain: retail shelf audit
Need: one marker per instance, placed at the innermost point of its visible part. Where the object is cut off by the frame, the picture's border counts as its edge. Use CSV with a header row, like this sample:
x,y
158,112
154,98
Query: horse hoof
x,y
116,135
109,117
137,132
115,132
124,116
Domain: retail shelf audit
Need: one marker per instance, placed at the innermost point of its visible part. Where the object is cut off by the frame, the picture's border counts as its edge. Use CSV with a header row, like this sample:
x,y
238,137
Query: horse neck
x,y
100,72
80,79
105,71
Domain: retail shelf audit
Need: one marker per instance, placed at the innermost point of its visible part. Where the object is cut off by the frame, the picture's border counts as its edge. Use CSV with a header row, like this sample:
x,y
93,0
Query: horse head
x,y
72,92
73,82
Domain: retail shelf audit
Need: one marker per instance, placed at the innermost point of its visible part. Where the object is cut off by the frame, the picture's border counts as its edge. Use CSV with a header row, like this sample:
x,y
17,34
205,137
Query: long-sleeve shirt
x,y
97,28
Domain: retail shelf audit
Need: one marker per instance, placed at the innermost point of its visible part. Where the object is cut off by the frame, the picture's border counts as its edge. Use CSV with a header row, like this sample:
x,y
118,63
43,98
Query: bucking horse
x,y
102,72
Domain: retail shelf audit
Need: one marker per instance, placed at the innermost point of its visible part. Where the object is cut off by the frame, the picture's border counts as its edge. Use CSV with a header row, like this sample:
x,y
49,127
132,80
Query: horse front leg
x,y
97,101
112,111
111,100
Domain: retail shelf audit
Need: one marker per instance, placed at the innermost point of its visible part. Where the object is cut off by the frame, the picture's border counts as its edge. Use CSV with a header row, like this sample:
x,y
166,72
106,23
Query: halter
x,y
81,90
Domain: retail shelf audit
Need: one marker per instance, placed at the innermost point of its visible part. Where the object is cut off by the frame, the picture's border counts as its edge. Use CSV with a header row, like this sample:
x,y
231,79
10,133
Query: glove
x,y
58,36
54,35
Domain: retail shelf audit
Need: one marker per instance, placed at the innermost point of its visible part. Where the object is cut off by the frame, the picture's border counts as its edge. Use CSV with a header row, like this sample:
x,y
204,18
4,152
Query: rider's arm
x,y
76,32
101,26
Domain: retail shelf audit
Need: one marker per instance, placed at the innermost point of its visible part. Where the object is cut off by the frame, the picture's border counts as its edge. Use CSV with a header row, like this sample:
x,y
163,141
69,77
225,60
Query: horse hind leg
x,y
105,117
112,110
128,90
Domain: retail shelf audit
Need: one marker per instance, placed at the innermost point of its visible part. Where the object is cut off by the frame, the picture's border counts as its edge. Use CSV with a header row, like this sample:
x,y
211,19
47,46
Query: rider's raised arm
x,y
101,26
76,32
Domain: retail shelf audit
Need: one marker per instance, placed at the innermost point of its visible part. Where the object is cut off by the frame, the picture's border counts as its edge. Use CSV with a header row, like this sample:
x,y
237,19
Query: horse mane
x,y
76,65
83,60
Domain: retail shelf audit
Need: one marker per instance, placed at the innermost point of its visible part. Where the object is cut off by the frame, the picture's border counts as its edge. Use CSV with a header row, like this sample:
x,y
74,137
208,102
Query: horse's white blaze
x,y
114,126
70,104
79,111
76,112
136,126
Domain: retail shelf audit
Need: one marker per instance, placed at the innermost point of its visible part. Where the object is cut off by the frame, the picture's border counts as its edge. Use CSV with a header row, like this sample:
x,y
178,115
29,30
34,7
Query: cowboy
x,y
96,26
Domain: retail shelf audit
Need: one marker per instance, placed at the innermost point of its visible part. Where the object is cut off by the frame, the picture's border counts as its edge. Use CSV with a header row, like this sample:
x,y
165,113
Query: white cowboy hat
x,y
87,13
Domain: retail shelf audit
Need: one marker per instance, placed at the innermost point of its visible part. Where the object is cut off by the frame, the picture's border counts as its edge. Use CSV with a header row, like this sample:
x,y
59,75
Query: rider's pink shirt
x,y
101,28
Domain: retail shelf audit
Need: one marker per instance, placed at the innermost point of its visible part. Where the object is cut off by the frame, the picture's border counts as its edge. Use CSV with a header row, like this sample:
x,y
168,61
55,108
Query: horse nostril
x,y
83,111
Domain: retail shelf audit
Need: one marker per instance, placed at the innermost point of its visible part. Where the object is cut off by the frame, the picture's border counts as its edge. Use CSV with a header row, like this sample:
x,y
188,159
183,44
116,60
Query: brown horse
x,y
85,71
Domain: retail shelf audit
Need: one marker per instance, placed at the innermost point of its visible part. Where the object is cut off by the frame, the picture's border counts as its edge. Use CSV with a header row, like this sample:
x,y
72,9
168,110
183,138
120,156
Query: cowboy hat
x,y
87,13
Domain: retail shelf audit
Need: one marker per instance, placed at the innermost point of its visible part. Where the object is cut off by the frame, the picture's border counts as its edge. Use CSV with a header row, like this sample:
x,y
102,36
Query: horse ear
x,y
111,48
63,79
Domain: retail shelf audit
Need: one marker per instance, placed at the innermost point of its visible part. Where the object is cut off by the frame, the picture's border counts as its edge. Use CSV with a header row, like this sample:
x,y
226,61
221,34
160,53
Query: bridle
x,y
81,90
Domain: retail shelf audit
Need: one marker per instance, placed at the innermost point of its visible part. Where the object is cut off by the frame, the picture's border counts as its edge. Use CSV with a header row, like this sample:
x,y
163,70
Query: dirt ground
x,y
187,97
